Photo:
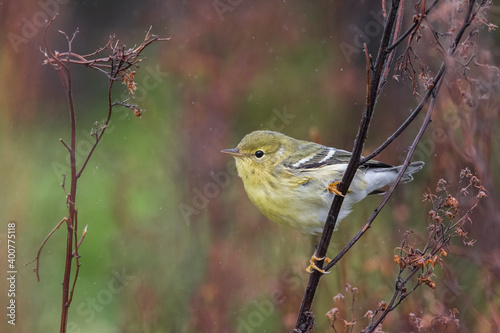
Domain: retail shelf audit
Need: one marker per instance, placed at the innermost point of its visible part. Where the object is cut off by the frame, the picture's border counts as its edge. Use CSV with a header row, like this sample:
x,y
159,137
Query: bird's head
x,y
260,151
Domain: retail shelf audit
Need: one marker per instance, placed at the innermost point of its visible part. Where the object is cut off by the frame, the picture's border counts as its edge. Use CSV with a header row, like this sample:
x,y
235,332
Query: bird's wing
x,y
324,156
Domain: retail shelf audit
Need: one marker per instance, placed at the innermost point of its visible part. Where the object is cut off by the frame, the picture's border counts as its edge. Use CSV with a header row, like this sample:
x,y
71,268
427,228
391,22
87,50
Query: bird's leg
x,y
333,187
312,264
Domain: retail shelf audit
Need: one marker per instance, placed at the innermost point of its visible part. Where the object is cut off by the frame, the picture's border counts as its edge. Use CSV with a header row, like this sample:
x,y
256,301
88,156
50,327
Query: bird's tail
x,y
412,168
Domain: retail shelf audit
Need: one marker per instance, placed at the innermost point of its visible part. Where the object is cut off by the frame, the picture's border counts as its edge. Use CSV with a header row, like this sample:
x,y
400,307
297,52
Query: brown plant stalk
x,y
305,318
375,77
116,66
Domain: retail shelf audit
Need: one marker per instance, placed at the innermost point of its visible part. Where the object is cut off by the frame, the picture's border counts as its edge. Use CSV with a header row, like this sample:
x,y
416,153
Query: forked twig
x,y
114,67
37,258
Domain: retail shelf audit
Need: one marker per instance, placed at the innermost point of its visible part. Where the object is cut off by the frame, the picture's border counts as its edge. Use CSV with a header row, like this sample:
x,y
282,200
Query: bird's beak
x,y
235,152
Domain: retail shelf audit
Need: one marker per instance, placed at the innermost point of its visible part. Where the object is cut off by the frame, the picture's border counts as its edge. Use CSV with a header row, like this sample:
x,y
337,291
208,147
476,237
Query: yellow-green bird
x,y
293,182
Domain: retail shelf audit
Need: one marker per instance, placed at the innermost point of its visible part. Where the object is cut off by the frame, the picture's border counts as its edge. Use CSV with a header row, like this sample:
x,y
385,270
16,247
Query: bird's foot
x,y
333,187
312,264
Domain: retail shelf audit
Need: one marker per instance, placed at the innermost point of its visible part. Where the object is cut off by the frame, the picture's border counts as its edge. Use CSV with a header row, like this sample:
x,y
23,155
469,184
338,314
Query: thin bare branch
x,y
388,63
37,258
389,192
65,145
84,233
411,29
409,120
399,288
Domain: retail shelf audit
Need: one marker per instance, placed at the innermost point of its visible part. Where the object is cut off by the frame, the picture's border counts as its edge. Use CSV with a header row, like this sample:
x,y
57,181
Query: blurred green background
x,y
173,242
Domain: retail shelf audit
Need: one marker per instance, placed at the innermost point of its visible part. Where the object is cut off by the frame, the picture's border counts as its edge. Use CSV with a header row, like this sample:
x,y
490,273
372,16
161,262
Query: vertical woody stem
x,y
305,318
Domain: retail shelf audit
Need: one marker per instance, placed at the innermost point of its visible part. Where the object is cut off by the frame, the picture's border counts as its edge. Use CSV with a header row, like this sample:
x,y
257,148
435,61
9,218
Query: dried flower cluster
x,y
440,323
334,315
117,65
447,220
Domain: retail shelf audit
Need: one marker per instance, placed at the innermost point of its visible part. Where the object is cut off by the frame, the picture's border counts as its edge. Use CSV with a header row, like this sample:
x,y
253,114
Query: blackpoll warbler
x,y
293,182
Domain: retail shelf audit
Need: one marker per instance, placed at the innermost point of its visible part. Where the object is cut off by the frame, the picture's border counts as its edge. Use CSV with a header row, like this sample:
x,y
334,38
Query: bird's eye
x,y
259,153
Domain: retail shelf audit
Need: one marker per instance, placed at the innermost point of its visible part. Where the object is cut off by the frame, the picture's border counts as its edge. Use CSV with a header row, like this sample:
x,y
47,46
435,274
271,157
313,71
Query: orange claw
x,y
333,187
312,266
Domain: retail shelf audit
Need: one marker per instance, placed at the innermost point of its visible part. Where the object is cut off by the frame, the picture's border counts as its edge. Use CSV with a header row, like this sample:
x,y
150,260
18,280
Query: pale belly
x,y
307,214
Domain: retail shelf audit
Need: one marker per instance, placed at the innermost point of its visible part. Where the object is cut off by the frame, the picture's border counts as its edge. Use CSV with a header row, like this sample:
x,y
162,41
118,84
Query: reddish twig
x,y
37,258
114,66
390,57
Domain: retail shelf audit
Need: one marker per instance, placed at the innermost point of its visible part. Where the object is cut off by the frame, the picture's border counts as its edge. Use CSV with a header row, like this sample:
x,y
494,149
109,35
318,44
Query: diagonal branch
x,y
388,194
409,120
412,28
305,318
37,258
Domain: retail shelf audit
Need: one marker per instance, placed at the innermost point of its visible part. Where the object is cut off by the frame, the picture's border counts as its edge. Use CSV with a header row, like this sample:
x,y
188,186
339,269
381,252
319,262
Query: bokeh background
x,y
173,243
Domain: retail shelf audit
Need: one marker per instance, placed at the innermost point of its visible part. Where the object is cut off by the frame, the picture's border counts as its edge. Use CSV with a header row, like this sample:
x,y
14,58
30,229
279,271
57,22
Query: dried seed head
x,y
481,194
333,314
441,185
338,298
138,112
465,173
470,243
451,202
128,80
